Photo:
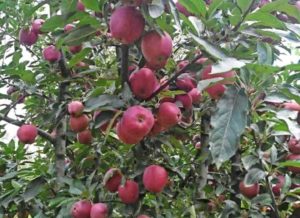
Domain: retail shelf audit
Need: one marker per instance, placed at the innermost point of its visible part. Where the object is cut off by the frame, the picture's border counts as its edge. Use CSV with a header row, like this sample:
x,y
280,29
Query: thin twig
x,y
244,16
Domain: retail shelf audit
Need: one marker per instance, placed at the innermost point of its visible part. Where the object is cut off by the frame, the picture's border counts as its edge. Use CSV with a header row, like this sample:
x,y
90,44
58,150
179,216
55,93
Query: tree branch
x,y
173,78
244,16
124,64
41,132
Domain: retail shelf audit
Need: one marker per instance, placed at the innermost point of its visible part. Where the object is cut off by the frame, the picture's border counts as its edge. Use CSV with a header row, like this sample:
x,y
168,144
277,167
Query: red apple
x,y
51,54
75,49
81,209
201,60
294,157
291,106
69,27
80,6
198,145
27,133
216,91
183,10
185,82
99,210
143,216
85,137
297,5
136,123
112,179
182,64
249,191
125,137
27,37
276,188
156,129
126,24
139,87
156,49
195,95
155,178
37,25
168,114
75,108
129,192
78,124
294,145
185,100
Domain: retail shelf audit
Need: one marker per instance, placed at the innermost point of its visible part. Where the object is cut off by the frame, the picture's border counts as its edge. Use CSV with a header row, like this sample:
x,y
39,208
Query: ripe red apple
x,y
125,137
168,114
195,95
156,49
78,124
36,25
27,133
80,6
81,209
186,82
294,157
143,216
294,145
99,210
291,106
276,188
136,122
112,179
132,68
156,129
129,192
155,178
198,145
51,54
68,28
75,49
85,137
185,100
249,191
126,24
182,64
216,91
183,10
75,108
27,37
139,87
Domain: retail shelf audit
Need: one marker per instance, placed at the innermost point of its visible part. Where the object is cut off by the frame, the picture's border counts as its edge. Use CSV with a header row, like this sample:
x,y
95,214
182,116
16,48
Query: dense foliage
x,y
150,107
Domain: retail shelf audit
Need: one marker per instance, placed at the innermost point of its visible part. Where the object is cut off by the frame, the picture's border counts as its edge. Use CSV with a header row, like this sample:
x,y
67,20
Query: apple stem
x,y
173,78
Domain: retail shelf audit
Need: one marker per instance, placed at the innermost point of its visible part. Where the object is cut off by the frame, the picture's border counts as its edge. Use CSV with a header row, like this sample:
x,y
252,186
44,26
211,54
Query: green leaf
x,y
265,19
52,23
263,199
33,188
79,35
265,53
228,124
79,56
91,4
290,163
227,64
249,160
244,4
156,8
103,101
253,176
214,6
196,7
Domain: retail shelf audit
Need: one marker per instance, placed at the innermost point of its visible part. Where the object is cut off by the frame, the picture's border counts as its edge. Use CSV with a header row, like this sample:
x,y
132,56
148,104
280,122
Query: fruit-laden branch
x,y
124,64
41,132
244,16
173,78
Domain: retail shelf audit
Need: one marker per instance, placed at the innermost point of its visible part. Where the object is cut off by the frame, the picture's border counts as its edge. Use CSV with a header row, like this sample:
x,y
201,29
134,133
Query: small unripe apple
x,y
294,157
37,25
78,124
136,123
85,137
291,106
156,49
112,179
185,100
75,108
99,210
276,188
139,87
27,37
51,54
81,209
80,6
183,10
185,82
27,133
129,192
168,114
143,216
75,49
68,28
294,145
126,24
249,191
195,95
155,178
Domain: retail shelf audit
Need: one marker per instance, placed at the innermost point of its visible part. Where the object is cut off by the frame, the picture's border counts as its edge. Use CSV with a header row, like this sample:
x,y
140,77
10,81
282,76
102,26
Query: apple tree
x,y
150,108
